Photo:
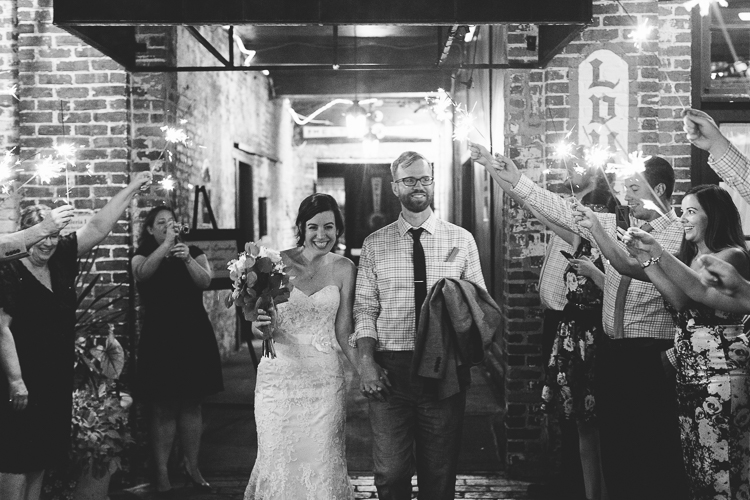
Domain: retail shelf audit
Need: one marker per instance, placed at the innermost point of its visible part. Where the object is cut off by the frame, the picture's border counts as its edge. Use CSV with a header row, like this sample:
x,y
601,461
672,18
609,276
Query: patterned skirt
x,y
713,395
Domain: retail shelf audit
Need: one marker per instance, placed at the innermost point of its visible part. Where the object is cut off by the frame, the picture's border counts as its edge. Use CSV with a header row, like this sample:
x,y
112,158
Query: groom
x,y
398,264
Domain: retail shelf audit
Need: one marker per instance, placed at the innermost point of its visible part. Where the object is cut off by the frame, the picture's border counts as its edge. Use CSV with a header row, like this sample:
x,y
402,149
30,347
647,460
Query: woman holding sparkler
x,y
37,323
178,358
711,355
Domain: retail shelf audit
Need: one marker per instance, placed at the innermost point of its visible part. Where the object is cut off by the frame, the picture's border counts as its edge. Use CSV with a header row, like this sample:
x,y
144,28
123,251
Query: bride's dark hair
x,y
313,205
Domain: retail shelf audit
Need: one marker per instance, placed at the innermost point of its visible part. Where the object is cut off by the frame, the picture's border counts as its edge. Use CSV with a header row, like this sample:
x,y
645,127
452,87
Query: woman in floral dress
x,y
711,355
568,391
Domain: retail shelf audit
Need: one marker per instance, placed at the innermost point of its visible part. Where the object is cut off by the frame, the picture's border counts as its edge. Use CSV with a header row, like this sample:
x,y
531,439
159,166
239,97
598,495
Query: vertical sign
x,y
603,101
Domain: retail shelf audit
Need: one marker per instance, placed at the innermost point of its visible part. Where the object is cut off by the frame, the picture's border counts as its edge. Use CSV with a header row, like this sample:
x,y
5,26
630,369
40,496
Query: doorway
x,y
363,191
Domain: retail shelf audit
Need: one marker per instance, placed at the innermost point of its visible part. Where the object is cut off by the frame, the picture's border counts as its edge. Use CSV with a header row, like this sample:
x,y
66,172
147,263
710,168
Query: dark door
x,y
369,201
246,227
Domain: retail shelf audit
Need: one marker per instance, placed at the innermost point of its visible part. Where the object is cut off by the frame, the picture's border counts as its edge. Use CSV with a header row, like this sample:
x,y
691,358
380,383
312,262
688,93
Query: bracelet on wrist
x,y
652,260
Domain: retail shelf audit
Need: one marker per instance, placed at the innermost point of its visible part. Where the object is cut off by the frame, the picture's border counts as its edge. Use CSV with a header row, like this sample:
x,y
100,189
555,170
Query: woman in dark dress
x,y
178,358
37,334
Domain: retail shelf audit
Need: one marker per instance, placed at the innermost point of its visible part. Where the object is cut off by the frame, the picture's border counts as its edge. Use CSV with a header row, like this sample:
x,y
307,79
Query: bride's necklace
x,y
307,272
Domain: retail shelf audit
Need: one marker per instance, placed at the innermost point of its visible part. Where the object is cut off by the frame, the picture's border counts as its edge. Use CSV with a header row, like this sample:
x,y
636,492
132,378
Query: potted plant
x,y
100,430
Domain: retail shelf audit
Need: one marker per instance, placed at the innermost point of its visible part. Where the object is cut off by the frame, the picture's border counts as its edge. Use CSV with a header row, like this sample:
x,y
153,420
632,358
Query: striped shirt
x,y
552,288
734,169
645,314
384,297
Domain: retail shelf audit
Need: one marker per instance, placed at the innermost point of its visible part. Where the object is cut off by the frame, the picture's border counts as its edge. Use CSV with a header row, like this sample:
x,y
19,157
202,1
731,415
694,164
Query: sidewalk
x,y
489,487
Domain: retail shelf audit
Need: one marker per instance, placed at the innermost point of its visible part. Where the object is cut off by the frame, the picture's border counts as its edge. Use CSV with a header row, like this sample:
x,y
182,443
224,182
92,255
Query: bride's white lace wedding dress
x,y
300,406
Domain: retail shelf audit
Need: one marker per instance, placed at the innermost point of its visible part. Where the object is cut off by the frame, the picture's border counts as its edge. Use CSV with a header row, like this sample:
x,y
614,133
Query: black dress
x,y
44,333
177,353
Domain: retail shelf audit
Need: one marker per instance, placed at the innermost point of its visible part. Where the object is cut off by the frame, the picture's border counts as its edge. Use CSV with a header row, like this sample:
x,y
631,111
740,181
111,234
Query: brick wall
x,y
540,110
60,81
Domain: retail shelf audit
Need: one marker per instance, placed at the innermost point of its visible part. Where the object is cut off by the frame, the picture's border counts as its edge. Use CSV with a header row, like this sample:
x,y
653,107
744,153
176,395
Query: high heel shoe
x,y
200,486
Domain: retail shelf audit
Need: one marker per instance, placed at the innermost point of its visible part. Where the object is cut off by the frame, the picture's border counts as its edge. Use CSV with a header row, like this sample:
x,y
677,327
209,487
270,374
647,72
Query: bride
x,y
300,395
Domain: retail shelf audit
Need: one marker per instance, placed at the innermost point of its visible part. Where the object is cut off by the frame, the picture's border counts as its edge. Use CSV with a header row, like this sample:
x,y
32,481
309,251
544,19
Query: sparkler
x,y
641,33
47,170
650,205
167,183
464,123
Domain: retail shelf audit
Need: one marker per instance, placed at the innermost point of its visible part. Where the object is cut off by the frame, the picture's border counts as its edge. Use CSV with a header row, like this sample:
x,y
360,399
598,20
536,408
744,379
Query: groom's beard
x,y
416,206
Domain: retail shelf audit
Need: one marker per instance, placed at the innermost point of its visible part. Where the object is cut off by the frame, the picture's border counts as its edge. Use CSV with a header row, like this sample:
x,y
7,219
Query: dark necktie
x,y
420,273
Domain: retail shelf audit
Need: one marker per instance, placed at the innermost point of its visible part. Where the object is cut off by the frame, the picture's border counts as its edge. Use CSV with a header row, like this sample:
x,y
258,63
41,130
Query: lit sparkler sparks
x,y
562,150
167,183
463,126
441,104
641,33
174,135
597,156
636,165
705,5
48,169
67,152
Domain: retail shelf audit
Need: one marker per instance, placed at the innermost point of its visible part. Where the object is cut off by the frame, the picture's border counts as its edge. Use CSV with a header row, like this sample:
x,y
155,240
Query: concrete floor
x,y
229,443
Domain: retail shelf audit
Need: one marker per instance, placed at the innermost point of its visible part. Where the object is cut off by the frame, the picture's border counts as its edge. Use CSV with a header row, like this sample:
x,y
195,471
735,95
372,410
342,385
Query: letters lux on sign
x,y
603,99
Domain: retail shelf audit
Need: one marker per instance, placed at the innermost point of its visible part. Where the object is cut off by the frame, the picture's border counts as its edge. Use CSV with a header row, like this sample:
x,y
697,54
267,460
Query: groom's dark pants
x,y
414,431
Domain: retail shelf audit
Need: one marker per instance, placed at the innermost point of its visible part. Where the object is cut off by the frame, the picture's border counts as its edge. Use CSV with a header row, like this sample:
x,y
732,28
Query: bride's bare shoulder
x,y
342,264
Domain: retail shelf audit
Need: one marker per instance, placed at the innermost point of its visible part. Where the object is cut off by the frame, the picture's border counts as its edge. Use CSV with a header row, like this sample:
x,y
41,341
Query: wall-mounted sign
x,y
603,100
76,223
393,133
220,246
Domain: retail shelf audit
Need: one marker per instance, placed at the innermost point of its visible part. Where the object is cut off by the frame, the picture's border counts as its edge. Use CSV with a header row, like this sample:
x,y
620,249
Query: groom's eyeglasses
x,y
412,181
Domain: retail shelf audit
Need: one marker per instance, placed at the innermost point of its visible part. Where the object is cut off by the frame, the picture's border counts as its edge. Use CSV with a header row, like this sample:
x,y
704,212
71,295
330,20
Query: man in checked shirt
x,y
403,411
635,402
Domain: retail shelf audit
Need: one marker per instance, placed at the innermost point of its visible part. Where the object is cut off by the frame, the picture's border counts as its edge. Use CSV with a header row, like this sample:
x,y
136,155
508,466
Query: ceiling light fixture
x,y
744,16
356,120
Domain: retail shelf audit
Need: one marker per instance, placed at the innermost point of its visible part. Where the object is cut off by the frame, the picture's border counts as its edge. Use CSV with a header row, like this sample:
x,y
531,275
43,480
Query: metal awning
x,y
314,46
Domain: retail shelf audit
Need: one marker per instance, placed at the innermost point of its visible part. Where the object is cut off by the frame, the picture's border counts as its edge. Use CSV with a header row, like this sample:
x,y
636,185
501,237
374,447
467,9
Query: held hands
x,y
58,218
141,180
373,380
584,267
480,154
641,244
703,132
265,325
501,168
19,395
721,275
585,217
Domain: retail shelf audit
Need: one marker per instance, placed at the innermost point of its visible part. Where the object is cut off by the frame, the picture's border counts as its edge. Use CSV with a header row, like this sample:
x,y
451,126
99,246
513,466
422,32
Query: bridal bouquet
x,y
258,282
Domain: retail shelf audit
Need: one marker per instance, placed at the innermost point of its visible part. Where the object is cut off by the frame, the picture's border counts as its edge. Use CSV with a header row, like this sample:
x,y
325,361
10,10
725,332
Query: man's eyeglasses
x,y
412,181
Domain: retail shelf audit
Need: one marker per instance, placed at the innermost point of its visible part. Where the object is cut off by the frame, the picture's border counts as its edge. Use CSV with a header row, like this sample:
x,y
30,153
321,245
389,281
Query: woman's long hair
x,y
723,228
146,240
313,205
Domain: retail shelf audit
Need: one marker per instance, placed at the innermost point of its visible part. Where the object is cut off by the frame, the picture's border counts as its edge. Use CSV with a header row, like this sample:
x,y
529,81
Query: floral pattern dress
x,y
713,398
569,388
